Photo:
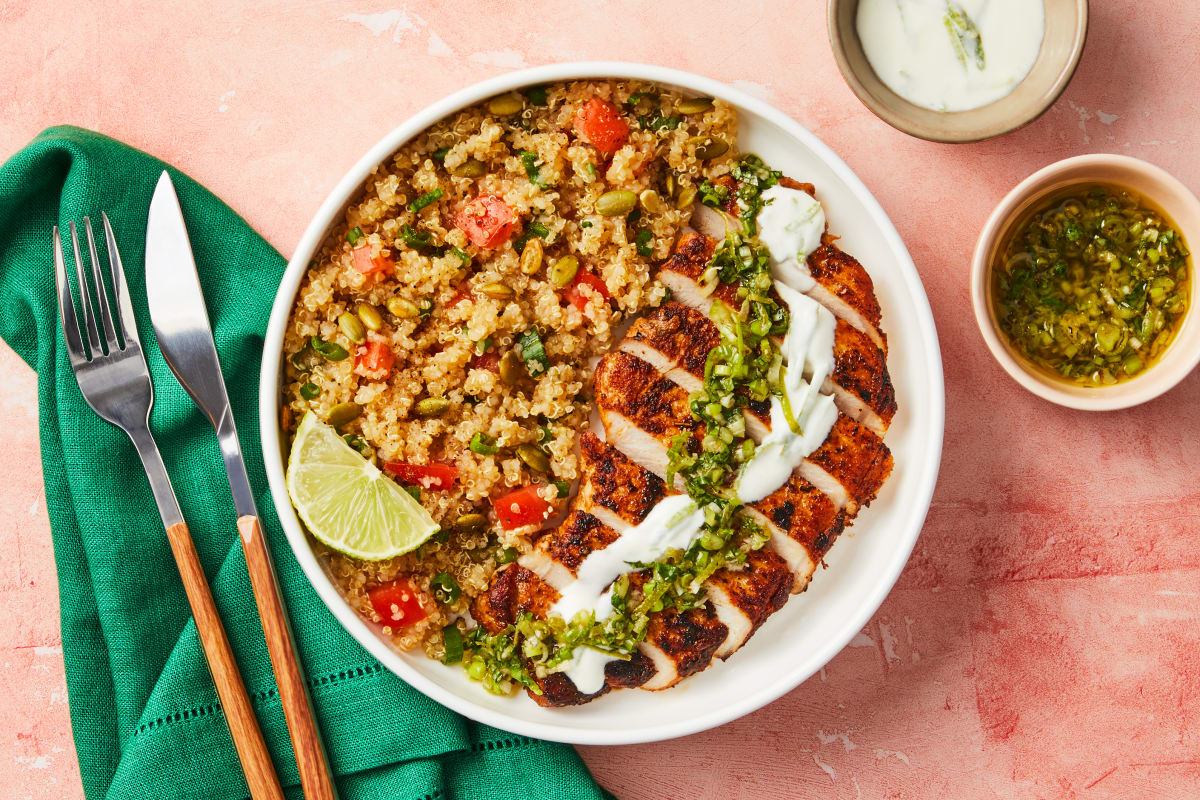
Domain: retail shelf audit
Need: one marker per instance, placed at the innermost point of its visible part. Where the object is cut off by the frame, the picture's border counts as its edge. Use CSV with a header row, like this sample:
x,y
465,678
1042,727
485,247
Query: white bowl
x,y
862,566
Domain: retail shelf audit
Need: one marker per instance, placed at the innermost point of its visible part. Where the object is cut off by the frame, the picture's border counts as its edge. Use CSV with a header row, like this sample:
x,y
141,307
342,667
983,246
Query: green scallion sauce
x,y
1092,285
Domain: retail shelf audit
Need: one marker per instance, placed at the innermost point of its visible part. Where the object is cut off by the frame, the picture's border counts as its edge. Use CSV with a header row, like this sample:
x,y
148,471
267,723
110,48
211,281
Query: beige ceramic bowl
x,y
1158,187
1062,46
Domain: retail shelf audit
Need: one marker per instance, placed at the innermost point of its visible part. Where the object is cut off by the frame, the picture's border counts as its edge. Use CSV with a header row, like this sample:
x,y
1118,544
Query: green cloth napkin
x,y
146,719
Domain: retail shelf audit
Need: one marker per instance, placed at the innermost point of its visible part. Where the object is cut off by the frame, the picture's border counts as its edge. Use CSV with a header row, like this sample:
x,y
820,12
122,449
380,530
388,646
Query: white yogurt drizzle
x,y
790,225
672,524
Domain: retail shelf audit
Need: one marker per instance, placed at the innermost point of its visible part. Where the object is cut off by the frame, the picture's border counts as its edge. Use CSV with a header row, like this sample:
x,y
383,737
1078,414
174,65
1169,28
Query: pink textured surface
x,y
1044,641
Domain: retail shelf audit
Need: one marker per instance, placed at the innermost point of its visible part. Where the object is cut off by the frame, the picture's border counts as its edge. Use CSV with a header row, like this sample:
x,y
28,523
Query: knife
x,y
184,334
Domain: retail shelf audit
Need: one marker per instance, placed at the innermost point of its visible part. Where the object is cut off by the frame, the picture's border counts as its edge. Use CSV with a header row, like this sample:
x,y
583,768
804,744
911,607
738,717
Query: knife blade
x,y
181,325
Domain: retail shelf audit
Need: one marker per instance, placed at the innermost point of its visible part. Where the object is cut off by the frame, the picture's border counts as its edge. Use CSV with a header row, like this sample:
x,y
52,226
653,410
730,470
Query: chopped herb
x,y
445,588
587,223
642,242
638,97
454,644
532,352
440,153
536,95
591,170
414,492
417,240
545,434
533,229
964,35
530,160
483,444
310,391
563,487
354,235
507,555
357,442
424,200
657,122
425,309
462,255
483,345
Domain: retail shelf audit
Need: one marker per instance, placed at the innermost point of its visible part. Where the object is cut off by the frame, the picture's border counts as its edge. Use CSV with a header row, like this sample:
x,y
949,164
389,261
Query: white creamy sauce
x,y
672,523
913,48
791,225
807,350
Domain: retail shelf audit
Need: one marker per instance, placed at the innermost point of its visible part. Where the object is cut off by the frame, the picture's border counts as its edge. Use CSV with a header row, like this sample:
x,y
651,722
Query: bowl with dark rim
x,y
1062,47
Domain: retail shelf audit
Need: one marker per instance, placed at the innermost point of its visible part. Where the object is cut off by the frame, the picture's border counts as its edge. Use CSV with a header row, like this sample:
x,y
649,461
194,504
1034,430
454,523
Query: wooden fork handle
x,y
243,725
315,777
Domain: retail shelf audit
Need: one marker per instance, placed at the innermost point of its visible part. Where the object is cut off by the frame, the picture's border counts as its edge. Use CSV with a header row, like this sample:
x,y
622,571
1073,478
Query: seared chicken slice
x,y
841,283
675,340
515,589
744,597
642,412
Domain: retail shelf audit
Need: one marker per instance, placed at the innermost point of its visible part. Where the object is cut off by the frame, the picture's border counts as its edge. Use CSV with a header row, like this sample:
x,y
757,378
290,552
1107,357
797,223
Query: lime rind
x,y
346,502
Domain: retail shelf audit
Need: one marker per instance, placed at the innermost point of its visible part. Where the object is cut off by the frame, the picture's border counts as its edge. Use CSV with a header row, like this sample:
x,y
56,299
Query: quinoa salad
x,y
449,327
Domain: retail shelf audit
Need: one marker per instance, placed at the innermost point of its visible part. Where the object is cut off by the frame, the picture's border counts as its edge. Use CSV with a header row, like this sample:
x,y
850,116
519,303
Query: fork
x,y
115,381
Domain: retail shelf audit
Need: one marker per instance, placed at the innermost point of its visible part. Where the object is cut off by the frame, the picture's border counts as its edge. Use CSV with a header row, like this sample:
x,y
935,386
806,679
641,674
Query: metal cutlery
x,y
111,371
181,325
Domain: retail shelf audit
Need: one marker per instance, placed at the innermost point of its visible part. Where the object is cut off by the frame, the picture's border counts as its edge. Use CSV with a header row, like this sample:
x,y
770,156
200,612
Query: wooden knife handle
x,y
315,777
243,725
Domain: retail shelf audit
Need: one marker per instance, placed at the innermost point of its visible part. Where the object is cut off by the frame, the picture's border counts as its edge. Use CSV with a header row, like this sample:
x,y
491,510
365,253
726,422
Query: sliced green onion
x,y
454,644
424,200
310,391
445,588
483,444
354,234
532,352
330,351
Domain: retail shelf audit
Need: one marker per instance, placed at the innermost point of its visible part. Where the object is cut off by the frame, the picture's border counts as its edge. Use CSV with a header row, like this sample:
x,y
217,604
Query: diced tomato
x,y
427,476
489,361
368,263
487,220
399,603
522,507
375,357
585,278
601,125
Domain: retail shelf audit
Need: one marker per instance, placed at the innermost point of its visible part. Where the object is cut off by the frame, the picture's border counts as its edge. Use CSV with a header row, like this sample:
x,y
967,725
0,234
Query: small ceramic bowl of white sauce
x,y
957,70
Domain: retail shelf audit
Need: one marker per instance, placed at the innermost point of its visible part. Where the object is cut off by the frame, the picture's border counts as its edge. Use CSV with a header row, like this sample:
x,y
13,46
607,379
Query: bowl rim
x,y
900,542
1163,375
932,134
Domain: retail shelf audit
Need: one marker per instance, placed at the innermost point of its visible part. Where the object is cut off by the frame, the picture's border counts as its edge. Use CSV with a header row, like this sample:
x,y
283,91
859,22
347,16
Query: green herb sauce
x,y
1092,285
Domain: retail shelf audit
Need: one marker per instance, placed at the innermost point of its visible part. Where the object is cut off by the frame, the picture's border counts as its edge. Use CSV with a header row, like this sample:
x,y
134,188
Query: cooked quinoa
x,y
463,307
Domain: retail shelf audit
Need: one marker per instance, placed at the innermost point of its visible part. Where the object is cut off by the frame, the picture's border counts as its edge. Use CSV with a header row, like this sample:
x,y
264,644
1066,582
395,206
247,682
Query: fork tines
x,y
98,316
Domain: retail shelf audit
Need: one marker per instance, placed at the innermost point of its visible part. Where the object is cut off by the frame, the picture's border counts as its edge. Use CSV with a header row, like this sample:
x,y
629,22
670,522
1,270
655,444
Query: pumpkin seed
x,y
352,326
512,371
471,523
497,291
670,186
506,104
616,203
694,105
709,147
651,202
534,457
563,271
431,406
402,308
531,256
370,316
343,413
471,168
687,196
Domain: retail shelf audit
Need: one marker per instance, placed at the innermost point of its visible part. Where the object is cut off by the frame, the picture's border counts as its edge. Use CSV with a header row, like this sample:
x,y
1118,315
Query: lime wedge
x,y
345,500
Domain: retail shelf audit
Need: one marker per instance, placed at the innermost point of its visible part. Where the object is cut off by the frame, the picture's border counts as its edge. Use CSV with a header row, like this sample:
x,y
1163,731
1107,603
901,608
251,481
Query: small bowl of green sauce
x,y
1083,282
